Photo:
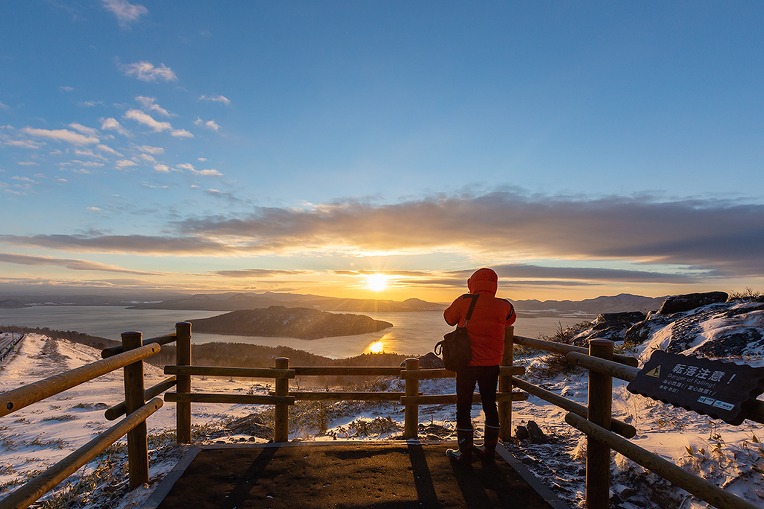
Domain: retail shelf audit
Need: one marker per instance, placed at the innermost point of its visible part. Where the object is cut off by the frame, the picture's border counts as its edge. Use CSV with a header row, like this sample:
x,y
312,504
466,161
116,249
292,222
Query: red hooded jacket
x,y
489,320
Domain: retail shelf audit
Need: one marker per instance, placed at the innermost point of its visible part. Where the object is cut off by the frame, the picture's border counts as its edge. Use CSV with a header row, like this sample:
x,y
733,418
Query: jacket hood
x,y
483,281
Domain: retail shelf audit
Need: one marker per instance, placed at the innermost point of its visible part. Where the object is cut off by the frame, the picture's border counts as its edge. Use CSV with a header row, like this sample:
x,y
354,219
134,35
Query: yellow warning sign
x,y
655,372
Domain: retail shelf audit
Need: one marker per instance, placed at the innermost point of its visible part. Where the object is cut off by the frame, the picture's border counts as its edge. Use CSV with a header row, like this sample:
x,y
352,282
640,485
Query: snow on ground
x,y
729,456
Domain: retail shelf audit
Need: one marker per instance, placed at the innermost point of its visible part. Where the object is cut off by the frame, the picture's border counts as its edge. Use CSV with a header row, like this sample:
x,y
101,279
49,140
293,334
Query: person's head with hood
x,y
483,281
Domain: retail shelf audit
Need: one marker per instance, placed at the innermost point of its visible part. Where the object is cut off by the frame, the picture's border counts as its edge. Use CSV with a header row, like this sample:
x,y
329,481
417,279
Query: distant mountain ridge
x,y
603,304
232,301
236,301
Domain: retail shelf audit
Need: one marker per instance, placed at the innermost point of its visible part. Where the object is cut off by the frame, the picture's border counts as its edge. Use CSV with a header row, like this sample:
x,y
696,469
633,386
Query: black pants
x,y
486,378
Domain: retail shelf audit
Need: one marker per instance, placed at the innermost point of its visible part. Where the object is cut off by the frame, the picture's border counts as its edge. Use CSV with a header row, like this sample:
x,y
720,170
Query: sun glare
x,y
377,347
376,282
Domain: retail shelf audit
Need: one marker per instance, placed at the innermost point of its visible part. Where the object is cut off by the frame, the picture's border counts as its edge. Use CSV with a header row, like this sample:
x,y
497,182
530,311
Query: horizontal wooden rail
x,y
160,340
119,409
229,371
445,399
346,396
620,427
562,348
698,486
35,488
213,397
424,374
603,366
347,371
21,397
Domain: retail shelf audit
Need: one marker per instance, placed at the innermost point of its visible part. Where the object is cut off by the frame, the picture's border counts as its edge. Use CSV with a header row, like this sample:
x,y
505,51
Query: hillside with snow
x,y
730,456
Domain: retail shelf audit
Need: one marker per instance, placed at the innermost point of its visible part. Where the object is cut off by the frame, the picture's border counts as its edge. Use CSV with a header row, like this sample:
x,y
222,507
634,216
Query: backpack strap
x,y
472,306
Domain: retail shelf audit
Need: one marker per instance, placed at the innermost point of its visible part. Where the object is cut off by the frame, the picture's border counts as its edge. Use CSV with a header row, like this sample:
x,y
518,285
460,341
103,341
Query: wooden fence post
x,y
599,412
137,439
281,424
411,410
183,385
505,385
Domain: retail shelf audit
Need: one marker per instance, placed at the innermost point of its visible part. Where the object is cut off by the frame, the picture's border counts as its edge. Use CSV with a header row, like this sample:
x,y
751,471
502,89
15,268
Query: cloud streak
x,y
67,263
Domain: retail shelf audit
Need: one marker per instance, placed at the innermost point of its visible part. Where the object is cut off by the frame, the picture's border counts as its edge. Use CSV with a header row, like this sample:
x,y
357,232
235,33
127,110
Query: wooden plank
x,y
603,366
229,371
214,397
551,346
445,399
160,340
346,396
183,358
347,371
620,427
120,409
21,397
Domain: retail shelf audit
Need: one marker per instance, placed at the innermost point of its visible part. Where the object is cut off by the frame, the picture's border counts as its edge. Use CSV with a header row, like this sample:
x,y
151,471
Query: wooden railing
x,y
129,356
605,433
282,397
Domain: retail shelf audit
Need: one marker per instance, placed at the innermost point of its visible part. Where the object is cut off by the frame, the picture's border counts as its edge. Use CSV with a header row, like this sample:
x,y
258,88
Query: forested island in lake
x,y
280,321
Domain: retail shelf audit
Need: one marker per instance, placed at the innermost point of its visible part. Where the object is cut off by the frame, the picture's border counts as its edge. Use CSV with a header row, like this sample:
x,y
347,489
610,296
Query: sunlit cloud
x,y
152,150
67,263
144,244
147,120
125,163
209,124
111,124
93,209
28,144
146,71
89,131
181,133
259,273
124,11
161,168
149,103
64,135
216,98
108,150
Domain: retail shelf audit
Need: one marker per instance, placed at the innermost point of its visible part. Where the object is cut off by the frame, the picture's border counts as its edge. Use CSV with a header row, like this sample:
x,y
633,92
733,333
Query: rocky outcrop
x,y
278,321
612,326
680,303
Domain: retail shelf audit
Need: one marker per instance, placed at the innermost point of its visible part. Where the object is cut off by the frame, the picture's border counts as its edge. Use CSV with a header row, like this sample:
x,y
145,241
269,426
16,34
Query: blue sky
x,y
581,149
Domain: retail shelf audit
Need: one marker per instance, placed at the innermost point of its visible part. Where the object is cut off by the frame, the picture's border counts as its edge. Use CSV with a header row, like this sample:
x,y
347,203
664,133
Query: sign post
x,y
722,390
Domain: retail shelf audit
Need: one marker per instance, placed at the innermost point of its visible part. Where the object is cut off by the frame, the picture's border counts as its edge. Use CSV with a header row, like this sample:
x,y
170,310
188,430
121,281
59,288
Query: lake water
x,y
412,333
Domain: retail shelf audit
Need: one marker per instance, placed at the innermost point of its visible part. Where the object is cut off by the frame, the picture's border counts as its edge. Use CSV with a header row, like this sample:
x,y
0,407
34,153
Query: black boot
x,y
464,453
490,440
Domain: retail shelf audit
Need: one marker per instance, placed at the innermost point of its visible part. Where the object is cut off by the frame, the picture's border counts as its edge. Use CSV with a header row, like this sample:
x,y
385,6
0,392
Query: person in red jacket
x,y
490,317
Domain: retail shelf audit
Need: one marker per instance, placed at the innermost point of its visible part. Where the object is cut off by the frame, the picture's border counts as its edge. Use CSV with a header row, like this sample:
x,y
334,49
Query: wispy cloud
x,y
125,244
112,124
209,124
64,135
124,11
259,273
147,120
216,99
146,71
67,263
150,104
